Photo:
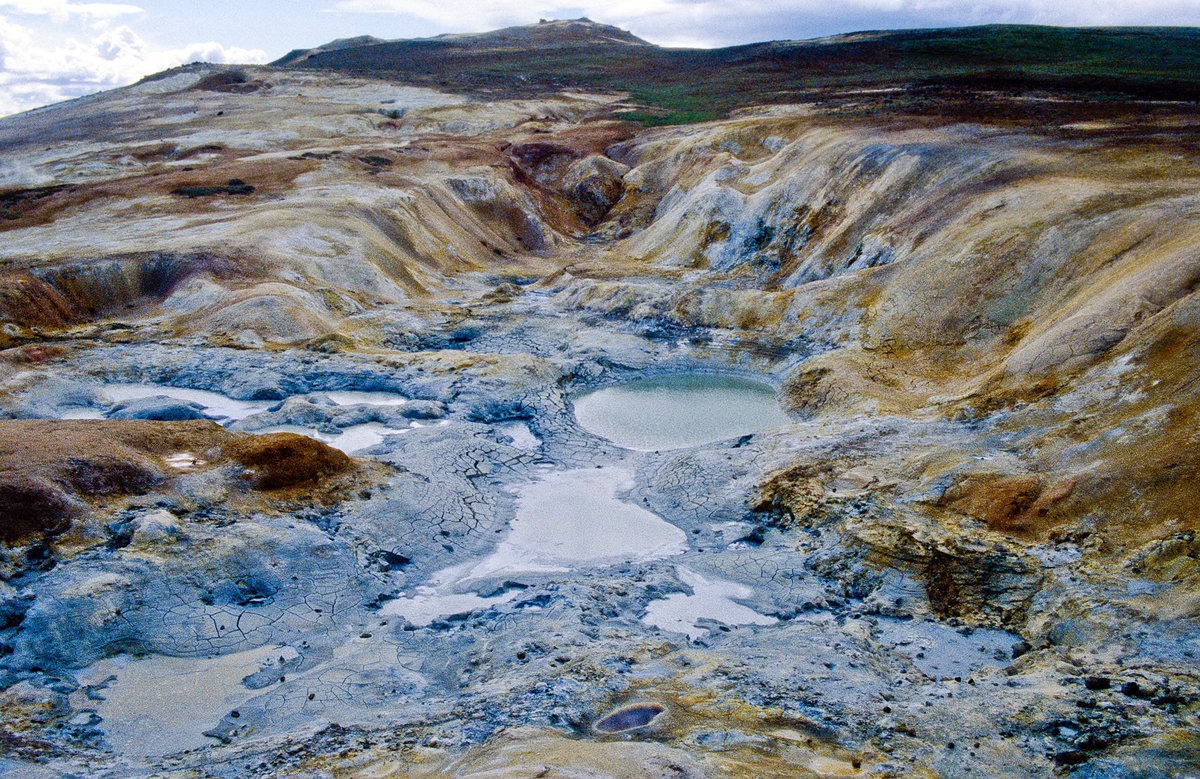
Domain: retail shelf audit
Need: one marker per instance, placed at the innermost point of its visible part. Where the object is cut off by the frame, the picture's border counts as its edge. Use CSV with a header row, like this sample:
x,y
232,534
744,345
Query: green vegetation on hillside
x,y
906,69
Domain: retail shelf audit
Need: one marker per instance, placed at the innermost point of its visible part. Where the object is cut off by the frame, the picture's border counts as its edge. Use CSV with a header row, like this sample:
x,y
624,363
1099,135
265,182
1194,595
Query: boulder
x,y
595,182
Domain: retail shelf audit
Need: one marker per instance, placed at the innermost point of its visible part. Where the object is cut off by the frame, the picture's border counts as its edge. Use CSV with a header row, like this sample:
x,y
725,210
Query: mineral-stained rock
x,y
596,182
979,580
33,705
29,301
1000,502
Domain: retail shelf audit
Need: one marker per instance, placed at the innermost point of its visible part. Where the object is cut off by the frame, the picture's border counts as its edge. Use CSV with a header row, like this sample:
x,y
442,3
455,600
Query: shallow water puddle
x,y
183,461
575,517
565,519
354,398
350,440
83,413
674,412
224,408
710,599
158,705
522,437
429,604
215,405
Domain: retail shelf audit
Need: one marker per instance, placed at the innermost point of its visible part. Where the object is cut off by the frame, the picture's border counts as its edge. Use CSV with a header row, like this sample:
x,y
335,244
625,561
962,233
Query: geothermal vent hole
x,y
675,412
627,718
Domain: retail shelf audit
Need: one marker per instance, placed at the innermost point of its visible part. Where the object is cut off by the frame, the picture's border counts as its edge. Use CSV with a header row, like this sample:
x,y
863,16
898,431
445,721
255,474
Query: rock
x,y
964,577
285,459
31,302
1001,502
233,187
34,705
1097,682
13,605
302,411
276,312
596,183
1142,692
160,408
78,619
156,530
424,409
224,81
331,343
1070,757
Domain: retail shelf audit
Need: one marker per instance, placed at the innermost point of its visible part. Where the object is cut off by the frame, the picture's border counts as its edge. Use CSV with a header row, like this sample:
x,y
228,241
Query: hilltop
x,y
987,72
546,34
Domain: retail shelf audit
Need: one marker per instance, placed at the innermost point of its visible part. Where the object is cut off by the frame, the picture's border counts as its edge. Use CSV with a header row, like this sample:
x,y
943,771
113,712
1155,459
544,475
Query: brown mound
x,y
46,465
285,459
55,473
32,505
228,81
41,443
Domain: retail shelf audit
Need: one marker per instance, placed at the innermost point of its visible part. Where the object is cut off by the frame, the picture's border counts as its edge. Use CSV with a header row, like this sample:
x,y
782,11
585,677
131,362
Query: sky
x,y
53,50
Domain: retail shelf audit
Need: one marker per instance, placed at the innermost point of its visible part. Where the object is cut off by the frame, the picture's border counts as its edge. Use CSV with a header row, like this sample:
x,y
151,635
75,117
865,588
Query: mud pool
x,y
565,521
678,411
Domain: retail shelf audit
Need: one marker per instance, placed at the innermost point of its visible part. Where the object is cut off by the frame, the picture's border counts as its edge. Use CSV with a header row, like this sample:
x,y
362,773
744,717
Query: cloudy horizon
x,y
54,50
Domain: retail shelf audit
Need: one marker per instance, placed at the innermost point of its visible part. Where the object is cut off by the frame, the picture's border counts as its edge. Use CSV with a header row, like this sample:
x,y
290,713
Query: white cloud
x,y
42,64
60,10
118,43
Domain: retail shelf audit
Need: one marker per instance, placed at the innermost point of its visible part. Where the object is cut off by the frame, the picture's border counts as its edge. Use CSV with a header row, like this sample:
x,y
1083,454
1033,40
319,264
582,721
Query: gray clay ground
x,y
257,641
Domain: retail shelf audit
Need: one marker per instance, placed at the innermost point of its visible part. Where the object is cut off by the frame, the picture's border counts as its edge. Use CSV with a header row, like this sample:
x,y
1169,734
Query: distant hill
x,y
544,34
296,56
907,69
